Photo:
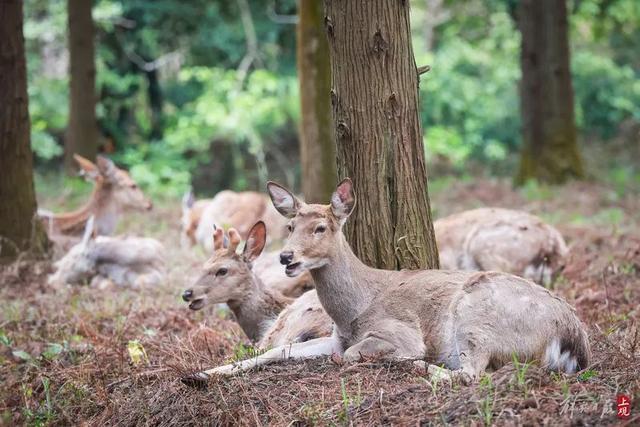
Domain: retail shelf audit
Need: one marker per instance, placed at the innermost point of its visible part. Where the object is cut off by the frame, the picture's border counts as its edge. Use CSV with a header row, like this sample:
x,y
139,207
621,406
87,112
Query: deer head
x,y
105,174
314,230
227,276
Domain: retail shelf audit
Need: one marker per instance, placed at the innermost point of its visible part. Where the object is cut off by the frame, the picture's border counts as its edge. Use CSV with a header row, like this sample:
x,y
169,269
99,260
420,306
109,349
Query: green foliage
x,y
469,98
606,93
249,115
191,50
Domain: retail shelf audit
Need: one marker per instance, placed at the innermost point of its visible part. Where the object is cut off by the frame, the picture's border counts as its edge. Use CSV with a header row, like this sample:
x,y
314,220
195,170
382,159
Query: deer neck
x,y
258,309
105,209
100,204
345,286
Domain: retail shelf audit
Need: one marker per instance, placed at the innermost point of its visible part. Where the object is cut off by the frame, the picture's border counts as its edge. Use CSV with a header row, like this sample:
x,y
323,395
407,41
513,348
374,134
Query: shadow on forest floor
x,y
64,353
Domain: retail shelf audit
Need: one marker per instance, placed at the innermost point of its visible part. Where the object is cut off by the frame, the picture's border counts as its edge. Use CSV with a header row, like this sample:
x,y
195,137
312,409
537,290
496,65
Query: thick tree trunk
x,y
317,146
550,150
82,133
19,228
379,139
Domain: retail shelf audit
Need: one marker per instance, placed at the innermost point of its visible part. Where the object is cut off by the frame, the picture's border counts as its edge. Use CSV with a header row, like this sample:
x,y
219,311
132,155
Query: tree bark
x,y
317,146
378,134
550,150
82,133
19,228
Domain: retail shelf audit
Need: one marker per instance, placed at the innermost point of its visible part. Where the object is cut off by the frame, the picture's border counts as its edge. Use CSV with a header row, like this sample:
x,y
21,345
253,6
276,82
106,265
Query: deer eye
x,y
134,186
289,228
320,229
221,272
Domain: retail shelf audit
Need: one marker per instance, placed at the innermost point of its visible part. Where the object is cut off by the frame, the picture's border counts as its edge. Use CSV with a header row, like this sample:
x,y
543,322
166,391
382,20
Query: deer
x,y
459,323
228,277
239,210
192,210
501,239
114,190
104,260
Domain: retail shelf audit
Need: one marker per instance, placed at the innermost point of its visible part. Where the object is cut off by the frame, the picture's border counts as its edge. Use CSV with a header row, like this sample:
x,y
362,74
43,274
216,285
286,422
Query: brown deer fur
x,y
466,321
113,191
500,239
240,211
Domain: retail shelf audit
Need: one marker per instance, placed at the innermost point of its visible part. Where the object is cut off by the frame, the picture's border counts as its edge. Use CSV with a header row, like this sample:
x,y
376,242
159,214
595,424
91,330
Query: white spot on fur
x,y
559,361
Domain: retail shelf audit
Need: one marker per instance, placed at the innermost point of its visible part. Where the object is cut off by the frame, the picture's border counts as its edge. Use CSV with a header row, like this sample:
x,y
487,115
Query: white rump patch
x,y
559,361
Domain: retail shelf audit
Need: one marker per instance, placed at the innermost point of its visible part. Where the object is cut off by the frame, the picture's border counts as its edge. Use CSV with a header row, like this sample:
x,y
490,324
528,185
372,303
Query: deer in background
x,y
500,239
192,211
465,321
228,278
239,210
113,191
103,260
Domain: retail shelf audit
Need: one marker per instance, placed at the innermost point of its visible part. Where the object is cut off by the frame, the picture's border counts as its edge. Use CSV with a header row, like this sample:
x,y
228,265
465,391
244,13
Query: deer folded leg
x,y
325,346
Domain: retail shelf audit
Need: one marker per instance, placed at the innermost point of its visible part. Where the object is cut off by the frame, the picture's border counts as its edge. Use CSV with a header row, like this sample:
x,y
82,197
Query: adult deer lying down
x,y
240,211
114,190
500,239
103,260
228,278
465,321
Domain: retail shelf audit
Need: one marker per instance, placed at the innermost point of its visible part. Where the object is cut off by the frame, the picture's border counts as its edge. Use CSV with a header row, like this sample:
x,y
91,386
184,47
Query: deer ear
x,y
218,238
89,231
343,200
234,240
256,240
188,199
87,167
283,200
106,167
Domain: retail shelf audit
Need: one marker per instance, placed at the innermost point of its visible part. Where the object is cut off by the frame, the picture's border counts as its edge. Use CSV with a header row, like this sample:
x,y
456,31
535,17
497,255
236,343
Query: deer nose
x,y
286,257
186,295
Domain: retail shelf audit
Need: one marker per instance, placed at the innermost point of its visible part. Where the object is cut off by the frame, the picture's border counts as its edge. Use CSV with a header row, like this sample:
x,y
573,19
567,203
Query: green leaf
x,y
21,354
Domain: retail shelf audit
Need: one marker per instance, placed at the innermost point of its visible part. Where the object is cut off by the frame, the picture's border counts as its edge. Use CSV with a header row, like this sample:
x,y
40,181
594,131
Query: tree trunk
x,y
317,146
550,150
82,133
19,228
378,134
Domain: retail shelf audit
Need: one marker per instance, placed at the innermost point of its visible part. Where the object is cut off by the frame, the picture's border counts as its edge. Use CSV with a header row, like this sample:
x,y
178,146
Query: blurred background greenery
x,y
174,108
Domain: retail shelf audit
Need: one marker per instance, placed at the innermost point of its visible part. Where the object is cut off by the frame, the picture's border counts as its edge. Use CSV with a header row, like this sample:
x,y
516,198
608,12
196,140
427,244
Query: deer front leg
x,y
325,346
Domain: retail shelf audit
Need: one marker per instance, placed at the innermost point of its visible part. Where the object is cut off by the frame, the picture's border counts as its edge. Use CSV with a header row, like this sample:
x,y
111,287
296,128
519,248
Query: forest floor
x,y
64,355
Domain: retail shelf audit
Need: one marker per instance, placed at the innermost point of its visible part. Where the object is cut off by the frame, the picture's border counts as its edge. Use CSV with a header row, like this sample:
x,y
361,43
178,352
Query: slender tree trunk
x,y
317,146
378,133
82,133
19,228
550,150
154,92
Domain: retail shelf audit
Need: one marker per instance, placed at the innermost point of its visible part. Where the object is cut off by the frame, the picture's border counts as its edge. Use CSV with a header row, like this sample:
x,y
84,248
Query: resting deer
x,y
192,210
240,211
114,190
500,239
102,260
228,278
465,321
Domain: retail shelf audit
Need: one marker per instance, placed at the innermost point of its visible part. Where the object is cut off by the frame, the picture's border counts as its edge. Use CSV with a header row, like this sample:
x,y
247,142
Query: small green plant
x,y
312,414
587,375
242,351
562,381
44,412
486,405
521,373
348,401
